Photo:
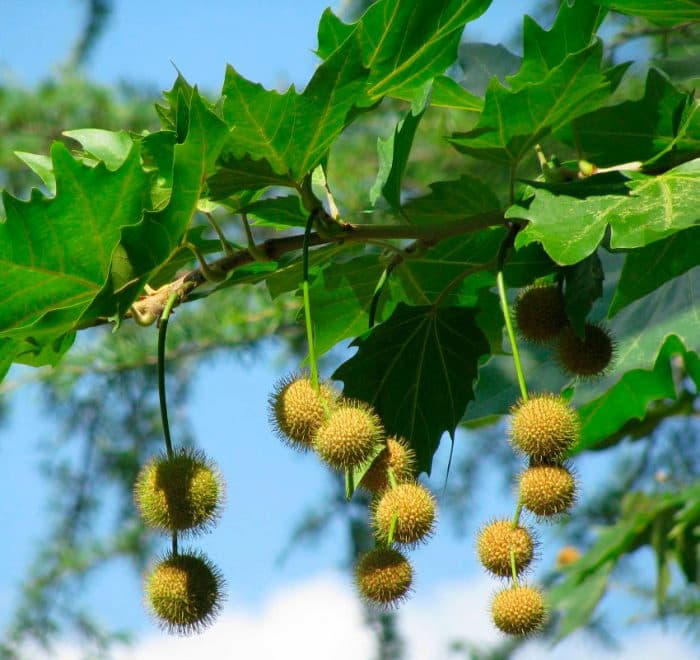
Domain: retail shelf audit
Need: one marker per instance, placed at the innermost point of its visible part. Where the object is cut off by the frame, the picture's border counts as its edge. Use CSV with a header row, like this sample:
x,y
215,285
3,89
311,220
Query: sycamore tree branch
x,y
151,305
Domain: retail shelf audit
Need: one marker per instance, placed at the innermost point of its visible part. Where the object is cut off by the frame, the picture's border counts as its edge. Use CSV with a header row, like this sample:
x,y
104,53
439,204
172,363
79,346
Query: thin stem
x,y
174,544
162,331
222,239
511,334
513,569
376,296
307,304
392,478
516,515
253,248
392,528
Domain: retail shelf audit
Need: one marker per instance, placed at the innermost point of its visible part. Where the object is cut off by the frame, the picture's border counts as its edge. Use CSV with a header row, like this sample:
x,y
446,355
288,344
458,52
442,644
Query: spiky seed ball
x,y
540,312
349,435
547,490
182,493
383,576
544,427
585,357
413,507
495,543
184,592
297,410
398,457
569,554
519,610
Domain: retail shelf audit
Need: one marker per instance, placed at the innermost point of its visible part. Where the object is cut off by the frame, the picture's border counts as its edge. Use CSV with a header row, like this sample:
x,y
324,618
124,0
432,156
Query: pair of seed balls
x,y
540,314
181,493
347,434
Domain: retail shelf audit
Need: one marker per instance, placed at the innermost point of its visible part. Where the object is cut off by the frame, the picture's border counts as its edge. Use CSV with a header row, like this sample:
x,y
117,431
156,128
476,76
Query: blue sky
x,y
268,486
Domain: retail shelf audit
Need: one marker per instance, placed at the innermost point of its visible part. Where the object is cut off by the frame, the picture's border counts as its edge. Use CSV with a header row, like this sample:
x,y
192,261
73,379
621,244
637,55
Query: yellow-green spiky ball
x,y
348,436
182,493
547,490
519,610
495,543
544,427
413,507
184,592
297,410
587,357
383,576
398,457
540,313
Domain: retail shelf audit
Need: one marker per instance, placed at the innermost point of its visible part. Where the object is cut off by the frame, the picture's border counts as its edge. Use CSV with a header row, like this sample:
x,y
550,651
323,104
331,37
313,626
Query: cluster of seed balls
x,y
181,494
348,435
543,428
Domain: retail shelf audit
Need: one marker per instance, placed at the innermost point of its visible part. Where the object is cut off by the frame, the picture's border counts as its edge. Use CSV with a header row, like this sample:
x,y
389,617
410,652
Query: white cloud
x,y
320,619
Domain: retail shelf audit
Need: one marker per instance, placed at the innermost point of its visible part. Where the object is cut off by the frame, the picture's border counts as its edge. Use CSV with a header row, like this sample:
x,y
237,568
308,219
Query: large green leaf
x,y
584,285
571,227
404,43
447,93
664,123
481,62
513,121
647,268
56,253
417,369
277,212
292,132
661,12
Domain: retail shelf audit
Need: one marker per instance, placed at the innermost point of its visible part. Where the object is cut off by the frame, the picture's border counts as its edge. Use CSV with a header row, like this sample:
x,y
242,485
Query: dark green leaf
x,y
647,268
240,174
417,369
278,212
584,285
661,12
481,62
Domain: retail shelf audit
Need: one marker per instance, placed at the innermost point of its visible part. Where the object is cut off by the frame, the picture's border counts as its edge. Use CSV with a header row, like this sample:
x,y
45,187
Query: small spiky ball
x,y
383,576
297,410
544,427
349,435
568,555
547,490
184,592
540,313
398,457
183,492
412,506
519,610
587,357
495,543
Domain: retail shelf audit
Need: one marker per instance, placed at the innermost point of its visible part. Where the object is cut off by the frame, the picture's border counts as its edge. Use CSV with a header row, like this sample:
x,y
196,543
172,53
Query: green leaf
x,y
514,121
570,228
56,253
393,156
449,94
451,201
404,43
332,32
417,369
150,243
577,600
291,131
110,147
663,123
660,12
240,174
647,268
277,212
573,30
481,62
42,166
584,285
340,299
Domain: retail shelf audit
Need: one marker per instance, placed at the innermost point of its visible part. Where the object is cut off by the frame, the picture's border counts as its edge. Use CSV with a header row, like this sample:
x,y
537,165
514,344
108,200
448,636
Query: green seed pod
x,y
384,577
519,610
297,411
495,543
184,592
587,357
547,490
398,457
412,506
182,493
349,435
544,427
540,313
